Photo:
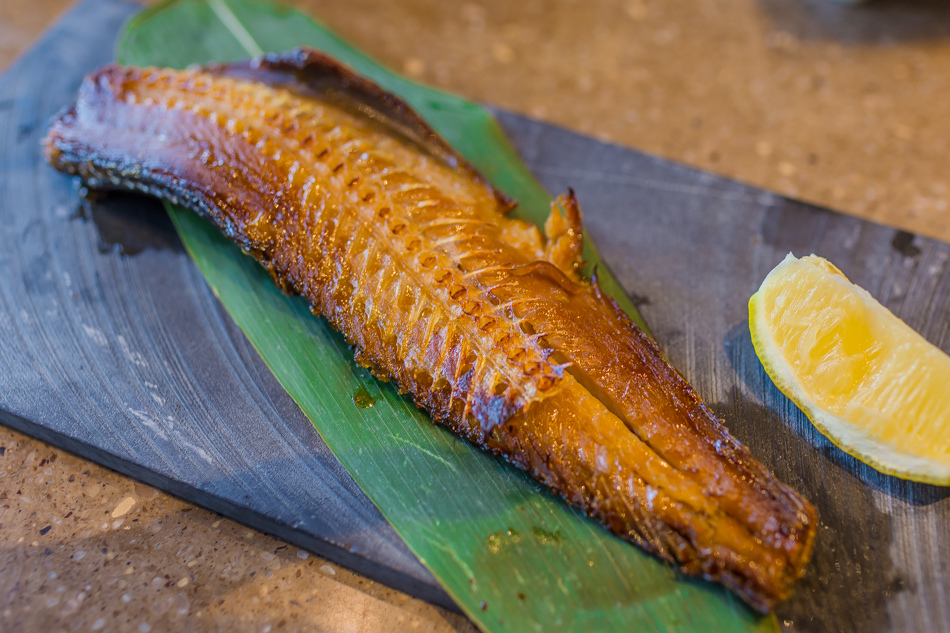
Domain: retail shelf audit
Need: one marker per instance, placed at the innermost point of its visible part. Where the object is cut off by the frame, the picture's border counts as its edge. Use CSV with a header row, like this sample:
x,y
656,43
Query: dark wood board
x,y
113,347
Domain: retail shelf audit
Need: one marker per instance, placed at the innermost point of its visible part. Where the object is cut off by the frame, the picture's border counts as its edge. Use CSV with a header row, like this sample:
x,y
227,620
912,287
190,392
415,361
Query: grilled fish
x,y
345,195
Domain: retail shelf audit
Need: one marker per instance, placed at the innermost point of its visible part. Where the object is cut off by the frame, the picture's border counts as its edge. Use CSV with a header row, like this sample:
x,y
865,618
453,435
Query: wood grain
x,y
123,355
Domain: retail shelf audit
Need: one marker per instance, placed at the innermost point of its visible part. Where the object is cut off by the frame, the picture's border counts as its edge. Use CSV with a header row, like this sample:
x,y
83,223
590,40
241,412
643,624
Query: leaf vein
x,y
234,26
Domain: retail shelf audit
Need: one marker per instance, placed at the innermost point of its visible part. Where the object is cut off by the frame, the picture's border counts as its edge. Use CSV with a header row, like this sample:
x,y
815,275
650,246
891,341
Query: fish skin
x,y
348,198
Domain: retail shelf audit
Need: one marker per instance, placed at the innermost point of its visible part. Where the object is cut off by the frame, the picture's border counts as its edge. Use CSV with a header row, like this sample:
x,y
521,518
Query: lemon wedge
x,y
866,380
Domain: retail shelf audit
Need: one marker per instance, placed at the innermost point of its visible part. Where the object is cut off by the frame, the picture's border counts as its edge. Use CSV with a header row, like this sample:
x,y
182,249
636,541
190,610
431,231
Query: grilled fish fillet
x,y
348,198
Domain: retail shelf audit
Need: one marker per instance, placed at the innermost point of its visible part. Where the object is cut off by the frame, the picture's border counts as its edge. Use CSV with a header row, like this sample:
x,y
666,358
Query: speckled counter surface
x,y
840,106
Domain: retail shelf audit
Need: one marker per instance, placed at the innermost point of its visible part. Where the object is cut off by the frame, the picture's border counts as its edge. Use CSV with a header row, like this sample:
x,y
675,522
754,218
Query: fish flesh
x,y
348,198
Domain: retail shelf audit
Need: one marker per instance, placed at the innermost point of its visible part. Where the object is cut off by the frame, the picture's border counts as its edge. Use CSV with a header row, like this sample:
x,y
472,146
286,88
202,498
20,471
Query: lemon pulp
x,y
865,379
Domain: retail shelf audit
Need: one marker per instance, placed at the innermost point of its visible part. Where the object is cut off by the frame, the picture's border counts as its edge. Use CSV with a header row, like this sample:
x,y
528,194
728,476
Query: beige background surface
x,y
841,106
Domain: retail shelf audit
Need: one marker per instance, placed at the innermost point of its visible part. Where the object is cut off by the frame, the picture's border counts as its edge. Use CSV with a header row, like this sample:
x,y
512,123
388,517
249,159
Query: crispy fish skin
x,y
348,198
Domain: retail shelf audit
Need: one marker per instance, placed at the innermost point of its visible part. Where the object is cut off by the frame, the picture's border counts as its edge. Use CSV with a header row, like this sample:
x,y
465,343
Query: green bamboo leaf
x,y
512,556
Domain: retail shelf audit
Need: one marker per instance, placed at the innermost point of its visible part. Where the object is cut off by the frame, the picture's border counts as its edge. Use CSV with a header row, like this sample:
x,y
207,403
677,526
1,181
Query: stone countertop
x,y
840,106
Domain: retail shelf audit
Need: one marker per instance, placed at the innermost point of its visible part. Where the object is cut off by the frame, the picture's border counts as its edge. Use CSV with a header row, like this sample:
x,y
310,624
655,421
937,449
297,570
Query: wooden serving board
x,y
113,347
